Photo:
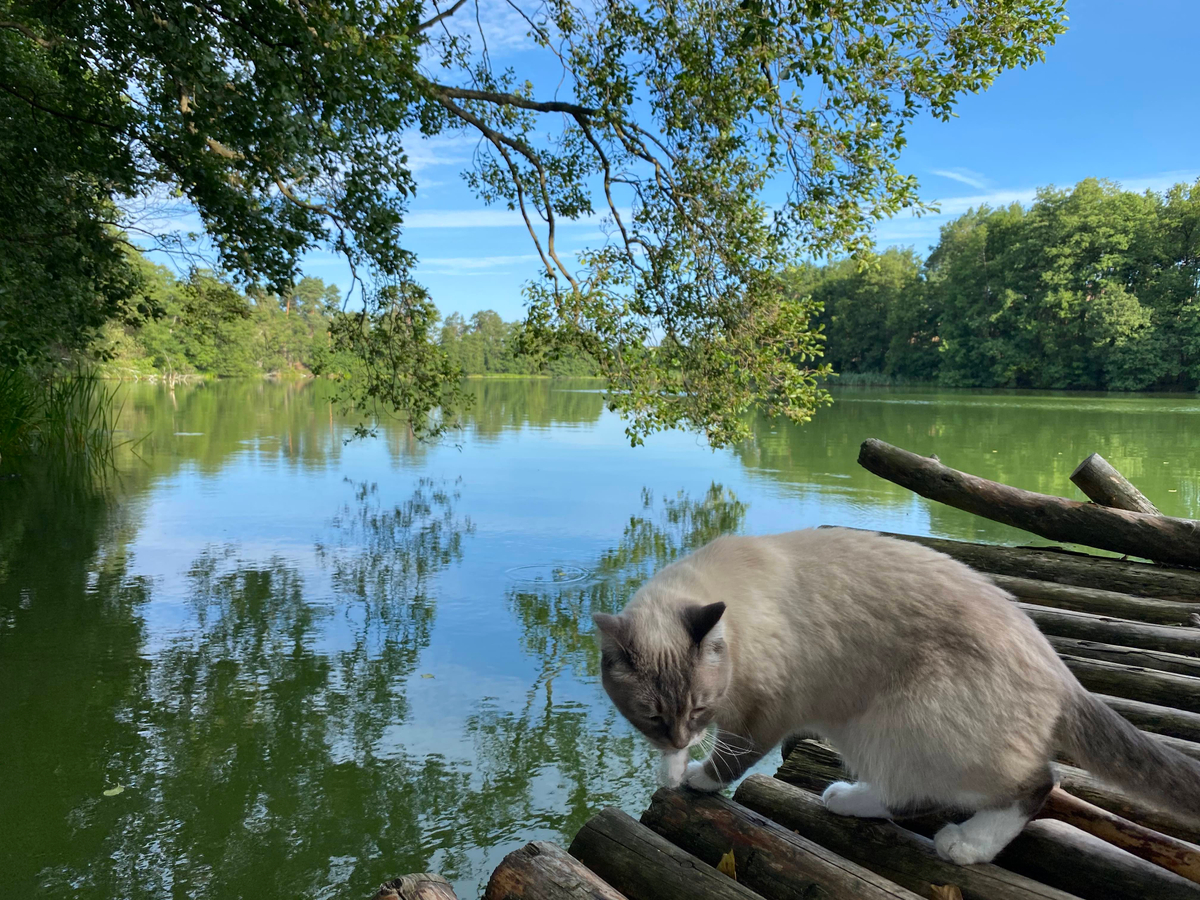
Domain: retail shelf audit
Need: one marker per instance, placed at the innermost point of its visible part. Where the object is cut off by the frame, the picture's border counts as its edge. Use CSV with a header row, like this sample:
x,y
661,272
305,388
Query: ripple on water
x,y
547,574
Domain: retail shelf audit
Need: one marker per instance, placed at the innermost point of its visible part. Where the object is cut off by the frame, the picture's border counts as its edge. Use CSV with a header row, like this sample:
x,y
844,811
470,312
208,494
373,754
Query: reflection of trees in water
x,y
504,404
577,742
70,630
253,744
259,737
382,555
557,623
1039,438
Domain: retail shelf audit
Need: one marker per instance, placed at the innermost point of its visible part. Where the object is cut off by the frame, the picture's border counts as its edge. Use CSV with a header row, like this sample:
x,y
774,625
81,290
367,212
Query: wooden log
x,y
645,866
1129,656
1097,871
1069,567
1108,630
1102,483
1175,723
1160,538
1059,854
1099,602
883,847
772,861
1163,850
1180,692
1087,787
419,886
545,871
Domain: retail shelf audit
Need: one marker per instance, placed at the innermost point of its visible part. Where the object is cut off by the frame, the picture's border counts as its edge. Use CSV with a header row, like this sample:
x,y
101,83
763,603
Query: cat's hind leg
x,y
989,831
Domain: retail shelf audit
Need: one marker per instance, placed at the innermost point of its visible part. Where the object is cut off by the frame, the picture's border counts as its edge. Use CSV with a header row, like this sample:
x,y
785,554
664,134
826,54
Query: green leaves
x,y
283,123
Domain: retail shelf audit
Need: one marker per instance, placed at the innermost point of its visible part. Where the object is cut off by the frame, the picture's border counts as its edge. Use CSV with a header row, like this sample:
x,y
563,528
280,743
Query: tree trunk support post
x,y
1103,484
1160,538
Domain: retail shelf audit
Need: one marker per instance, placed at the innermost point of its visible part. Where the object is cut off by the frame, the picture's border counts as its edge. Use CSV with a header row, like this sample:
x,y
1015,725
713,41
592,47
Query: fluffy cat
x,y
938,691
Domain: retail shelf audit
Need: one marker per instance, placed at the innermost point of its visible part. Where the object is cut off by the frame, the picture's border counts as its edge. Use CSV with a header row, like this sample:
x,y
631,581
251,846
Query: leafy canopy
x,y
1091,287
284,123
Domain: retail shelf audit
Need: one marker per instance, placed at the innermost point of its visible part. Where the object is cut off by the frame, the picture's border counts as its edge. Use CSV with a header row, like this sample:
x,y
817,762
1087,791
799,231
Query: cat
x,y
940,693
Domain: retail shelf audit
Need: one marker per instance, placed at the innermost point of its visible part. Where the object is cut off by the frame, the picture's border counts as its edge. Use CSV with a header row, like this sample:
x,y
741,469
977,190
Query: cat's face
x,y
666,677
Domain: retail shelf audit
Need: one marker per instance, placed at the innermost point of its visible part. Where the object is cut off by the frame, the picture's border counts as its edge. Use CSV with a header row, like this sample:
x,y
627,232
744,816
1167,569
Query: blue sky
x,y
1116,98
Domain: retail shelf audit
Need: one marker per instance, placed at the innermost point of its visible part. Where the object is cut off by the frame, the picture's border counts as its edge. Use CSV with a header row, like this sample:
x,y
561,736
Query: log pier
x,y
1128,630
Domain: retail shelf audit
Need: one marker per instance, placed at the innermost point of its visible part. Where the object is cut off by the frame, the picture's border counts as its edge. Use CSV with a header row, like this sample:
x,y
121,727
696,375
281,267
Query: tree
x,y
283,123
872,312
1090,288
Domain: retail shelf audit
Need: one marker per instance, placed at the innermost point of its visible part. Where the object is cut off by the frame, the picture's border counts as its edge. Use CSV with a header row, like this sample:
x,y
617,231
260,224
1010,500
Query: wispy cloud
x,y
463,218
504,29
490,218
426,153
956,206
920,231
964,176
455,264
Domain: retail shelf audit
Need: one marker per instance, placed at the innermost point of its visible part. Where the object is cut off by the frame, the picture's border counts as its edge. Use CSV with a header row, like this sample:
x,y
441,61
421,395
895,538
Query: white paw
x,y
699,780
953,844
672,768
859,800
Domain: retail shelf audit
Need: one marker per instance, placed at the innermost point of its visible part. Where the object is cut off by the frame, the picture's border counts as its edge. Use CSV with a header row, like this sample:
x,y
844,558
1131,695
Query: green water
x,y
309,665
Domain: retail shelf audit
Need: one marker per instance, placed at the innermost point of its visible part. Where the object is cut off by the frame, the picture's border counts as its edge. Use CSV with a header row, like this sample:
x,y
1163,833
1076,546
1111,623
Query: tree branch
x,y
502,99
500,140
442,15
44,43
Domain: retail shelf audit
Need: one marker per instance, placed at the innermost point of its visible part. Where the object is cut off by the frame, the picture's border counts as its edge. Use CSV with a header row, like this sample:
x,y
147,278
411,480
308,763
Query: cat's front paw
x,y
858,800
953,844
699,780
672,767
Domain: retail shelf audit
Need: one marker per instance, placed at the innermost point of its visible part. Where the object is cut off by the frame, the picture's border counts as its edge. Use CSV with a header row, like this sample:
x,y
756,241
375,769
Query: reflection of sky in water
x,y
291,709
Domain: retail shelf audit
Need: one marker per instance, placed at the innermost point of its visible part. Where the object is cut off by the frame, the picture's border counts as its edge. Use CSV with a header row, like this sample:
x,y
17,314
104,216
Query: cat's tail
x,y
1115,751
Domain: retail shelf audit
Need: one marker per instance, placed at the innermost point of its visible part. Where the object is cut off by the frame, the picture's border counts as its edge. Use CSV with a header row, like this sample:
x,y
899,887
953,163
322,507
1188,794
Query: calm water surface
x,y
272,664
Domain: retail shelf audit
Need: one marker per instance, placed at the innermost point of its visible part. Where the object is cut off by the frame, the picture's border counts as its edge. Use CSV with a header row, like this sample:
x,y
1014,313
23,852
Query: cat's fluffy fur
x,y
938,691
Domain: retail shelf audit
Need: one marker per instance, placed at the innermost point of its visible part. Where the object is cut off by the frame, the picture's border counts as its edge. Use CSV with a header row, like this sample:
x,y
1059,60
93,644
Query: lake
x,y
271,663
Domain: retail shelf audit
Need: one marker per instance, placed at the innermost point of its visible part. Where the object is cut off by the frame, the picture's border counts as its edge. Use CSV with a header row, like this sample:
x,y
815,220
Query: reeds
x,y
67,420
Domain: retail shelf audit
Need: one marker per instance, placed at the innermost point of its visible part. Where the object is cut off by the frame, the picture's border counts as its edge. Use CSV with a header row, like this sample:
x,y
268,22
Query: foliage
x,y
874,314
1090,288
68,420
284,125
206,327
1093,287
487,345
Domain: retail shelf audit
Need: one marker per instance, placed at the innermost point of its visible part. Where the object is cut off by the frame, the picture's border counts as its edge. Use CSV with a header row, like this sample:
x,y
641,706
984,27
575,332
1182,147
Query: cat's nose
x,y
680,739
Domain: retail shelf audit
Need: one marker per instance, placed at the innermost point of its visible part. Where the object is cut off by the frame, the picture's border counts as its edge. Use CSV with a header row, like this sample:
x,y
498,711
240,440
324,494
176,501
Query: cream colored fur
x,y
936,689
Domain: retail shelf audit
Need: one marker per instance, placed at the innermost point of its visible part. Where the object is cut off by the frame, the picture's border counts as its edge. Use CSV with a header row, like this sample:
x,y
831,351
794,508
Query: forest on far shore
x,y
1090,288
201,326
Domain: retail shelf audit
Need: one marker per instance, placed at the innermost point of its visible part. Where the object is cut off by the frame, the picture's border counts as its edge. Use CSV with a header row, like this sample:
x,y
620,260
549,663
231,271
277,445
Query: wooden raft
x,y
1128,630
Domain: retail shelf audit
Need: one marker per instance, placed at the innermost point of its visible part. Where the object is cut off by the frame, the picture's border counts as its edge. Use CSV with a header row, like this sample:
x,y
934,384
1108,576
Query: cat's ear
x,y
615,628
700,620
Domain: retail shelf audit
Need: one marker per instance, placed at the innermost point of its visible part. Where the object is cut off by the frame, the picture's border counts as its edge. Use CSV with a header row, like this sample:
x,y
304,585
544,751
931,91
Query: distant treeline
x,y
485,344
1089,288
202,326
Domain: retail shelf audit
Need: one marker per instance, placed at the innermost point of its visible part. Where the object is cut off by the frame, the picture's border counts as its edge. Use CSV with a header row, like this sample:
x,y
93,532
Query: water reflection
x,y
307,667
501,405
556,623
1030,440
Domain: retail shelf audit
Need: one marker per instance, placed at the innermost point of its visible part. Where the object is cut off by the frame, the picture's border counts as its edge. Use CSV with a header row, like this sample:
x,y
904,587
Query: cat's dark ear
x,y
700,620
615,628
